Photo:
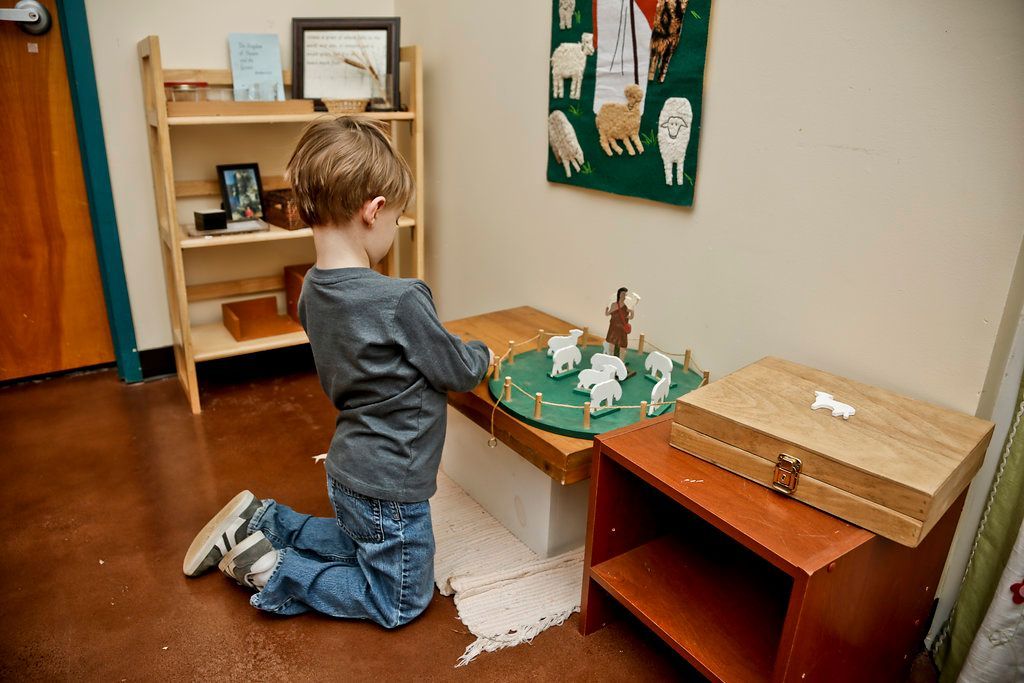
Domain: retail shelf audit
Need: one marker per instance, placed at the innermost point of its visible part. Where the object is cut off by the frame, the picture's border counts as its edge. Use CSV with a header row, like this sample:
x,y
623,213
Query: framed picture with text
x,y
347,59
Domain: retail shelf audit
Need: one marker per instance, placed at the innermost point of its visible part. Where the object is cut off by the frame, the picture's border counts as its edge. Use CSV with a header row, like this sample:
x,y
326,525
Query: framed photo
x,y
347,59
241,191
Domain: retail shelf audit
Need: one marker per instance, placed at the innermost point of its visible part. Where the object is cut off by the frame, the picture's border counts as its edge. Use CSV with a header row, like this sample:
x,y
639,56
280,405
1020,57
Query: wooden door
x,y
52,313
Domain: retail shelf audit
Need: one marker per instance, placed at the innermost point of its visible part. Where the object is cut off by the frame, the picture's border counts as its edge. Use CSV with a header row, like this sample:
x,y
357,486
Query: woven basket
x,y
346,106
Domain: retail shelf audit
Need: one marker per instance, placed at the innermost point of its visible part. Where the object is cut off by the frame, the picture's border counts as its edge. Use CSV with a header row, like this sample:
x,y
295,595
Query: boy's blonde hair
x,y
341,163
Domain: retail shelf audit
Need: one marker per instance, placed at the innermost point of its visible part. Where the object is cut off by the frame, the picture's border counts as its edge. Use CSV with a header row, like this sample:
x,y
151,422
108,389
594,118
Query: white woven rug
x,y
505,593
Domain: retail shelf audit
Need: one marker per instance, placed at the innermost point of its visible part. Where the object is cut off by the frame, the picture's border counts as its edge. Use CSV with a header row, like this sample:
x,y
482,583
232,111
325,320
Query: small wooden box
x,y
280,209
894,467
293,279
255,318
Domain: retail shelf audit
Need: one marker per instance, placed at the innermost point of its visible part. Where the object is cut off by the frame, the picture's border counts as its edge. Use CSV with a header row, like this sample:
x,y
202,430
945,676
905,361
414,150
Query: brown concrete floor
x,y
104,486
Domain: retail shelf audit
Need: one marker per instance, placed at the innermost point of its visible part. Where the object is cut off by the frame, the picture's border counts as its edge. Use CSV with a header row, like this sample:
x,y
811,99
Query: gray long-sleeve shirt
x,y
386,363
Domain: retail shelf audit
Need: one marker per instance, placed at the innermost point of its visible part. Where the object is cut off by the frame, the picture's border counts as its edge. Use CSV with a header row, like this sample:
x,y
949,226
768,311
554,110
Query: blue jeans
x,y
374,561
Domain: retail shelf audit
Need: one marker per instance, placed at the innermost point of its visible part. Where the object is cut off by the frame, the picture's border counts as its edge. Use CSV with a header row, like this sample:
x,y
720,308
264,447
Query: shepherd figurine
x,y
618,324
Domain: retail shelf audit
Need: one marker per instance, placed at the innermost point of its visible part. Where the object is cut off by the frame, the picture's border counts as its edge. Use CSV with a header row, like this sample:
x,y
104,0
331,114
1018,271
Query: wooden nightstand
x,y
746,584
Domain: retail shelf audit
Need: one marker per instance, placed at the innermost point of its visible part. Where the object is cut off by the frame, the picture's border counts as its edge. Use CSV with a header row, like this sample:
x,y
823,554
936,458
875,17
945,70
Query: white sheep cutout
x,y
604,394
658,394
571,339
658,365
565,359
564,143
599,360
592,376
674,135
566,8
823,400
568,61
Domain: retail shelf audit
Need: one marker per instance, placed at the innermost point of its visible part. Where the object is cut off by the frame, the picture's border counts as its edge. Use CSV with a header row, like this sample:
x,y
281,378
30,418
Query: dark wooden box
x,y
293,278
280,209
255,318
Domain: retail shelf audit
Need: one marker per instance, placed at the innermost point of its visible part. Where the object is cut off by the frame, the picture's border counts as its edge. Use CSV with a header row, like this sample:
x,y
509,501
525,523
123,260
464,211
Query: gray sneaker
x,y
253,555
222,533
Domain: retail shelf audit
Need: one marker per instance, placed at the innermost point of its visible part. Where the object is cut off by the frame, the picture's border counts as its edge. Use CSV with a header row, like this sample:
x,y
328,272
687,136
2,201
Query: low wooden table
x,y
534,482
563,458
745,583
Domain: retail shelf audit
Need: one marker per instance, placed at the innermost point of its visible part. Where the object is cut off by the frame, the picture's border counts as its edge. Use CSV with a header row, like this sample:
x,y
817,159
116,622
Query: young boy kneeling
x,y
386,362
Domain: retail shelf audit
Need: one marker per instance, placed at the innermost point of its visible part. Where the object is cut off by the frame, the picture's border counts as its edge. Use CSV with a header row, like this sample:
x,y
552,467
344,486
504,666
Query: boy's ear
x,y
371,208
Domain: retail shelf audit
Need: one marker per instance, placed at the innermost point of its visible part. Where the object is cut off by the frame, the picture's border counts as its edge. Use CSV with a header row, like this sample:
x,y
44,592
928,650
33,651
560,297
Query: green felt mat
x,y
530,371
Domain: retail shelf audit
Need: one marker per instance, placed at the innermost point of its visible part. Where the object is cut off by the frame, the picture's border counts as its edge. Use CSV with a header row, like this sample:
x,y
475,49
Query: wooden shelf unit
x,y
222,119
197,343
743,582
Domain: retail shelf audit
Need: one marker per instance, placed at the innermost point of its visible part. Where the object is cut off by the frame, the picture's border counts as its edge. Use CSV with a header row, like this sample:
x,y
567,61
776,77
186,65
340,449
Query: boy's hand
x,y
490,353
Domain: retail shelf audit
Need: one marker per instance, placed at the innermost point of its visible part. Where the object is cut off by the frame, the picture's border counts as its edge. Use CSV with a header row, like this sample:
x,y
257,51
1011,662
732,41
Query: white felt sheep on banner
x,y
674,135
568,61
604,394
599,360
566,8
658,394
564,143
571,339
565,359
592,376
658,365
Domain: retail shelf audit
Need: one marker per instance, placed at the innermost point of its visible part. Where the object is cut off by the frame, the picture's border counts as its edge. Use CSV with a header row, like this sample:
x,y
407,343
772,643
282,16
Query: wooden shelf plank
x,y
212,76
213,341
219,290
713,610
211,188
275,233
280,118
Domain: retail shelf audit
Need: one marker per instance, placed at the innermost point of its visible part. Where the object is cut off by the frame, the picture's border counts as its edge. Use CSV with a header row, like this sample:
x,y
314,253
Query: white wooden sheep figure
x,y
604,395
674,135
658,365
568,61
564,143
565,359
592,376
823,400
599,360
566,8
658,394
571,339
617,121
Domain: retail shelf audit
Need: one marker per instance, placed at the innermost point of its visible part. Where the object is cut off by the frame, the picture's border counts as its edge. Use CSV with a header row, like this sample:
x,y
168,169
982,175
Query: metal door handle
x,y
30,16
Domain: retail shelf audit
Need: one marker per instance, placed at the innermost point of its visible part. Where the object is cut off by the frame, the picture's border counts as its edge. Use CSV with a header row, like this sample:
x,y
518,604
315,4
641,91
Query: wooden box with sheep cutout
x,y
885,462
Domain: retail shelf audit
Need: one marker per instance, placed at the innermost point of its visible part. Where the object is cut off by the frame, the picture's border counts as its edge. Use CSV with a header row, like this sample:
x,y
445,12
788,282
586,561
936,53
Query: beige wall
x,y
858,203
193,34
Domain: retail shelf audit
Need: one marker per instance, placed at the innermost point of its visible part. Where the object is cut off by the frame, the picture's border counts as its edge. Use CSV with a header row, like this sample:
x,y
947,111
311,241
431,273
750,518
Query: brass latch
x,y
787,474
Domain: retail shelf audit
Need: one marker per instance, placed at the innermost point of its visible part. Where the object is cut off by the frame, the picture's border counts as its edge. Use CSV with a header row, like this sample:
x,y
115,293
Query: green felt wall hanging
x,y
625,88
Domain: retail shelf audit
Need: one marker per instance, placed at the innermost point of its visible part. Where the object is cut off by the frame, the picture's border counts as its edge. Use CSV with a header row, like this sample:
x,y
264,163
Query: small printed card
x,y
256,66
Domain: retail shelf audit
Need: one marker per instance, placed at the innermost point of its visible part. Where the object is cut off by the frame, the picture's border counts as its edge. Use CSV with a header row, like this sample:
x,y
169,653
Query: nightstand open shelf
x,y
719,581
743,582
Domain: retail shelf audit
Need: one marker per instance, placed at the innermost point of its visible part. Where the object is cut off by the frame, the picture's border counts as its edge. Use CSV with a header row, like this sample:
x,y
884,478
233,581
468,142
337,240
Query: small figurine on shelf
x,y
618,323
